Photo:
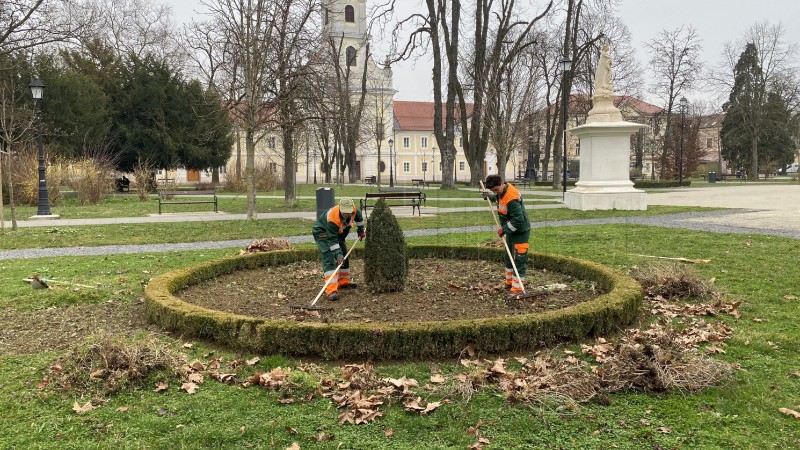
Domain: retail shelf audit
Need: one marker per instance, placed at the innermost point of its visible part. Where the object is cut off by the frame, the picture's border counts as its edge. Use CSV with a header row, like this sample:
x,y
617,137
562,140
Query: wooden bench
x,y
419,182
412,198
371,180
169,198
523,182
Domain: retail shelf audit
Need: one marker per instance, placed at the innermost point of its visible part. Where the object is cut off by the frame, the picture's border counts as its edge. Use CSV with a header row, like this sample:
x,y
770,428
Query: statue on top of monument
x,y
602,78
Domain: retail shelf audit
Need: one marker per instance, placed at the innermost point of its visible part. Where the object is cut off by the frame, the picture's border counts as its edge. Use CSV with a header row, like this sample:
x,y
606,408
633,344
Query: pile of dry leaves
x,y
267,245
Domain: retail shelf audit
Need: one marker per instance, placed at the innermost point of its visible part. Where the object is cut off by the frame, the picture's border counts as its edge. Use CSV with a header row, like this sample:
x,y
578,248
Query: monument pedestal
x,y
605,169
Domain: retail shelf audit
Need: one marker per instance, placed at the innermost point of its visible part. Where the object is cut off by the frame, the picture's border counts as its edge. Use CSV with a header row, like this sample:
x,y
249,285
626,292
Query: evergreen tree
x,y
776,146
385,256
744,112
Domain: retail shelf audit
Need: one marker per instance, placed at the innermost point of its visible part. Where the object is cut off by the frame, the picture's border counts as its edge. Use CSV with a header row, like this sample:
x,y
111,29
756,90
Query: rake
x,y
324,309
524,294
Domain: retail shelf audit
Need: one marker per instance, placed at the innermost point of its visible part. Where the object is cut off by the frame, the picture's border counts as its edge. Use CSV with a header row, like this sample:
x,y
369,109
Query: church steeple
x,y
346,17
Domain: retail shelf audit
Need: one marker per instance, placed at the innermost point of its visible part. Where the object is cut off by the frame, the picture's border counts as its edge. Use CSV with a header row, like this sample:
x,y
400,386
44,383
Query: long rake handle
x,y
328,281
505,244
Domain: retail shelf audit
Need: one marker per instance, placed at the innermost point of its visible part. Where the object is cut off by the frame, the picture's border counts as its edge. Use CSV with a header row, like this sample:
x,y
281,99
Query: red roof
x,y
417,116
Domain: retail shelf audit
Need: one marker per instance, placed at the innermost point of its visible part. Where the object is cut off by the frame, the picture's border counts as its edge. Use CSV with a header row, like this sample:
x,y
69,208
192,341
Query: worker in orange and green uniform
x,y
330,232
515,228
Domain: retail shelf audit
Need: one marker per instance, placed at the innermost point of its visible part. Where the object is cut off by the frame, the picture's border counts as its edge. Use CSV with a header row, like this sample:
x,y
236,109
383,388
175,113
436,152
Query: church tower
x,y
345,24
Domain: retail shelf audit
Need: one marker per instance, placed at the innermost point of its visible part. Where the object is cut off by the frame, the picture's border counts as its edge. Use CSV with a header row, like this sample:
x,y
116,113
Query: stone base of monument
x,y
605,195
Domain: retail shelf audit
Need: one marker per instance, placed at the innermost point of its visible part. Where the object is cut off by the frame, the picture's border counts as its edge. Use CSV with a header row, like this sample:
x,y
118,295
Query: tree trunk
x,y
289,176
754,158
250,173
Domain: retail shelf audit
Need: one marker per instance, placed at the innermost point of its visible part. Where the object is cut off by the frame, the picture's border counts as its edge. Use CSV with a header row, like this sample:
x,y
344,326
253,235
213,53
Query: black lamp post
x,y
684,107
433,162
391,173
37,89
565,65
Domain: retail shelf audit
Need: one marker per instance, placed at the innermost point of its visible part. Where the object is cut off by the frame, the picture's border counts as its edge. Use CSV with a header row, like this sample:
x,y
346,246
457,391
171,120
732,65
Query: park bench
x,y
526,182
394,197
371,180
179,198
419,182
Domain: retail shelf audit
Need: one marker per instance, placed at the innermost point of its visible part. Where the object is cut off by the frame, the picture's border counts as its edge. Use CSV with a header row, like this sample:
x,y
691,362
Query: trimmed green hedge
x,y
405,340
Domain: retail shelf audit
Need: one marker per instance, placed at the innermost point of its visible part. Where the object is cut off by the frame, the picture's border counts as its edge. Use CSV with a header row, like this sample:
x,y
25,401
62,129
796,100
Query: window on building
x,y
382,167
349,14
296,167
406,142
461,166
351,56
271,143
223,169
440,166
578,148
709,142
406,167
423,142
424,166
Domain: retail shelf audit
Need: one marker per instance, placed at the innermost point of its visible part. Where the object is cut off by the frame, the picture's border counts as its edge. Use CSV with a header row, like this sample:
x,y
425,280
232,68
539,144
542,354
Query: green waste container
x,y
325,200
712,177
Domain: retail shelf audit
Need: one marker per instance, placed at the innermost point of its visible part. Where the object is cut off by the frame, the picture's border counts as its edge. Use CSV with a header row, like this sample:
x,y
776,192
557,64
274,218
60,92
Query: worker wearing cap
x,y
515,228
330,232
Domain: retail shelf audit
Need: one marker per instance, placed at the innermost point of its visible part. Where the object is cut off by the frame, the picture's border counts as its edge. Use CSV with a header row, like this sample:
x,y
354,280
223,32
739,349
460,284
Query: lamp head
x,y
684,104
37,88
565,64
391,143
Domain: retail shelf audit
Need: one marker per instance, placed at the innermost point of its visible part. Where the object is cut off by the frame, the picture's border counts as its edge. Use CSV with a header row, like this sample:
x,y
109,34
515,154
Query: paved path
x,y
756,209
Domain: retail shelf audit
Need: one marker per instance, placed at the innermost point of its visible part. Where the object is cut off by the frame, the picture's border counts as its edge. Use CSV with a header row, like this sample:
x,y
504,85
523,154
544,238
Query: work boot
x,y
508,287
333,296
348,286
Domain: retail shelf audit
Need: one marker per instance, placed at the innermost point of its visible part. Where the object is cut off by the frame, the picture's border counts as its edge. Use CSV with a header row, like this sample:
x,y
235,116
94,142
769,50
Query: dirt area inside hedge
x,y
437,289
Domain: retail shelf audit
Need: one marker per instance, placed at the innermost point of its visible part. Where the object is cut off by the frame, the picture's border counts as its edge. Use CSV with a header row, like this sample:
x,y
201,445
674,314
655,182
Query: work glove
x,y
362,235
339,258
485,195
500,232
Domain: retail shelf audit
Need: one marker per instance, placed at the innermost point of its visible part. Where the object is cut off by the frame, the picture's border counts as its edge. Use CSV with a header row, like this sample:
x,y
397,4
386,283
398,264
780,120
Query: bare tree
x,y
676,67
16,121
25,24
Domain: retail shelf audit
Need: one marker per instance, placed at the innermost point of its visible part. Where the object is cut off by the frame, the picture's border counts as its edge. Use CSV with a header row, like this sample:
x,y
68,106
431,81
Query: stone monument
x,y
605,152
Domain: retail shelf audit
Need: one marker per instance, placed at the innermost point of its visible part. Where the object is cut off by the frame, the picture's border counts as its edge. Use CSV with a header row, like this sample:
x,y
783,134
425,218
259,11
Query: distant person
x,y
123,184
330,234
515,228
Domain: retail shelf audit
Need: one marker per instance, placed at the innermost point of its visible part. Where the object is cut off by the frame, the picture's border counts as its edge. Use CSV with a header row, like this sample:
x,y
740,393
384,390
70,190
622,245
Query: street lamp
x,y
565,65
391,173
684,107
433,161
37,89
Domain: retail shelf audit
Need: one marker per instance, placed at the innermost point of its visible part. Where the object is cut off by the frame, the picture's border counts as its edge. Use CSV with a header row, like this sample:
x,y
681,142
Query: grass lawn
x,y
39,327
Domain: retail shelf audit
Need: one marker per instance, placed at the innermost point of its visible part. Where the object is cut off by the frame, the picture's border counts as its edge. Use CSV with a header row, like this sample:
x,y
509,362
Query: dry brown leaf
x,y
665,430
294,446
437,378
97,373
122,409
197,366
286,401
790,297
161,387
431,406
187,345
253,361
796,373
790,412
291,430
388,432
196,378
190,388
82,409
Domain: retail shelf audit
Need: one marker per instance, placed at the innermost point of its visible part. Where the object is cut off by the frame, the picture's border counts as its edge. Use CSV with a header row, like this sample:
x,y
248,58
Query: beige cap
x,y
346,205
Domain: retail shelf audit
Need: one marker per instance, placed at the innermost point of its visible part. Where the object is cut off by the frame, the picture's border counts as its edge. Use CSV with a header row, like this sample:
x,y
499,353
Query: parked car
x,y
791,169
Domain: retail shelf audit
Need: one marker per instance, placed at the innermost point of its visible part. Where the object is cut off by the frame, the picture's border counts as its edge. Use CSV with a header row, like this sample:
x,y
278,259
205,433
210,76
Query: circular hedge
x,y
405,340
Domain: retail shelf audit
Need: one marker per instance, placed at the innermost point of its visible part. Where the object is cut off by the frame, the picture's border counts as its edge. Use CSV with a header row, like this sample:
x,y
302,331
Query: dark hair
x,y
493,181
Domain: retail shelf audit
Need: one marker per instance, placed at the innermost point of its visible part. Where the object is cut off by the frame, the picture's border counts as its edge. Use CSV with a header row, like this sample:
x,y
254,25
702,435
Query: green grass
x,y
149,233
742,414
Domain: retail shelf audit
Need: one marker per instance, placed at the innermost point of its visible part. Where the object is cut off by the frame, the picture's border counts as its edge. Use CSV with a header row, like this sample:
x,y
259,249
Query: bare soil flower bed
x,y
438,289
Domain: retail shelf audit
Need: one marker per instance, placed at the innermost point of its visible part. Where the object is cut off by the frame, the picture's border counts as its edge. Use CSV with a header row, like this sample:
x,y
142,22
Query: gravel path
x,y
722,221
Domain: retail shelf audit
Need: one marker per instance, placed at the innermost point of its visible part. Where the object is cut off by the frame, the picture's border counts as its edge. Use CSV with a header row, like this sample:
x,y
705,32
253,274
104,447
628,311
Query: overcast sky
x,y
716,21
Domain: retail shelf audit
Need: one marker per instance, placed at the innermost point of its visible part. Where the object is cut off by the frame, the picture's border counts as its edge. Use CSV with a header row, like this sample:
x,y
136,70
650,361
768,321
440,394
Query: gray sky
x,y
716,21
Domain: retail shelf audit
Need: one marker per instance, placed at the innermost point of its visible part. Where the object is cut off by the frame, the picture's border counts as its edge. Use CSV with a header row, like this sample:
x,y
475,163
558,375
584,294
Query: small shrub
x,y
144,180
267,179
385,254
25,176
91,179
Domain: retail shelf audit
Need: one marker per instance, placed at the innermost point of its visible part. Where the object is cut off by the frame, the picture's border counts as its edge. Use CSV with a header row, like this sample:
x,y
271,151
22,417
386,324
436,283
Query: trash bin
x,y
712,177
324,200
